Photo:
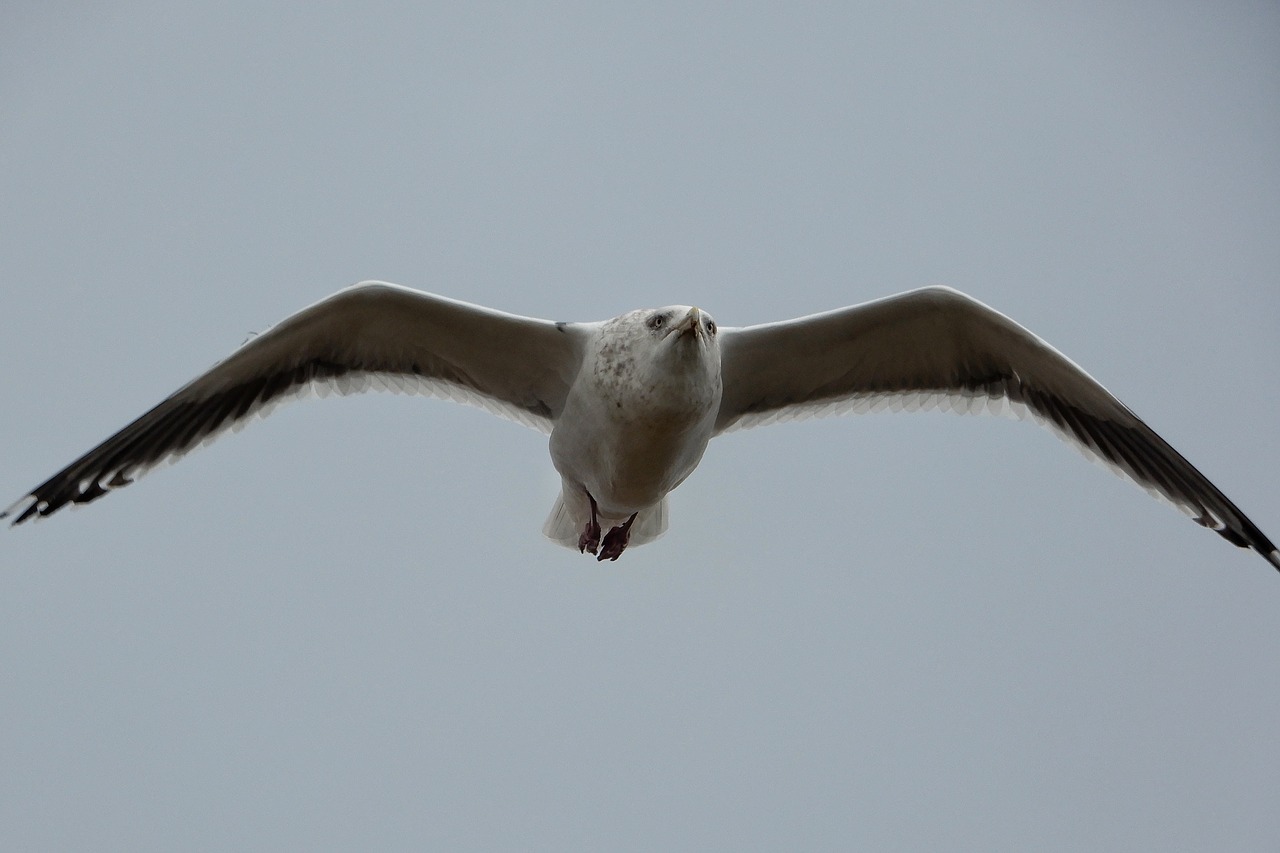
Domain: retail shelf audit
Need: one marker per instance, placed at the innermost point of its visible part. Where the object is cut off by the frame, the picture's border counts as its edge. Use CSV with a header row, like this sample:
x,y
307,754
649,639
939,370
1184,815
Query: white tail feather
x,y
564,527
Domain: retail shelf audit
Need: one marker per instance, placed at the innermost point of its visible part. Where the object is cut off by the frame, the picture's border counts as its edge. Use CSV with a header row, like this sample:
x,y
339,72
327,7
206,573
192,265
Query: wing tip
x,y
21,510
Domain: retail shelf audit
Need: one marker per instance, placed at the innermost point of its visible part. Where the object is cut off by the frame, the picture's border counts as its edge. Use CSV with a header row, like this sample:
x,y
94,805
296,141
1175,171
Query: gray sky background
x,y
341,627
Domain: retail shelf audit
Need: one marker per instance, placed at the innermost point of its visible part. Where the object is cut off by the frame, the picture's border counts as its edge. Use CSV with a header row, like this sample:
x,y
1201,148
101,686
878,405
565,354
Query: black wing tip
x,y
22,510
1252,539
44,501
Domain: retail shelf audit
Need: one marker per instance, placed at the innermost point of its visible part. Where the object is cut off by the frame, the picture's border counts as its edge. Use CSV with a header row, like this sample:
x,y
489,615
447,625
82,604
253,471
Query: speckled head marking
x,y
659,357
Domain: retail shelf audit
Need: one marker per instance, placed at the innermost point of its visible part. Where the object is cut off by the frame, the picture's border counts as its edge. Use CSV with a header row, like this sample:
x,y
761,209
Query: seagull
x,y
631,403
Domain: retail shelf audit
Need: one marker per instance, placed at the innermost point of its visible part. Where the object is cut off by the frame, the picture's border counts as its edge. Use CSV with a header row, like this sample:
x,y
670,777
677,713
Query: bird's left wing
x,y
938,347
373,335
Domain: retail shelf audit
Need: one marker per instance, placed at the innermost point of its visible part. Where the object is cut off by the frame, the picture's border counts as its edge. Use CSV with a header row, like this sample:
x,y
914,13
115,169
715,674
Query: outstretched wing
x,y
372,335
938,347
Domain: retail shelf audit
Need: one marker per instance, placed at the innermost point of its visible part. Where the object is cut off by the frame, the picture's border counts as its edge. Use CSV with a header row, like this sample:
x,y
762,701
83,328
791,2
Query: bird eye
x,y
656,321
711,327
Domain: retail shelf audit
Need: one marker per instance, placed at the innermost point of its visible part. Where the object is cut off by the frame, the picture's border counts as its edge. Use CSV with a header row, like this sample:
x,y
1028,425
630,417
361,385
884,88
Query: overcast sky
x,y
341,627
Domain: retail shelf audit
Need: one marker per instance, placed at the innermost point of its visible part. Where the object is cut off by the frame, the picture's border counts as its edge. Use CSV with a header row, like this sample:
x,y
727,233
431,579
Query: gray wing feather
x,y
373,336
937,347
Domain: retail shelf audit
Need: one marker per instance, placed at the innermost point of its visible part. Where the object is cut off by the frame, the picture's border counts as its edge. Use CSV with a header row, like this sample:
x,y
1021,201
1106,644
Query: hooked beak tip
x,y
692,322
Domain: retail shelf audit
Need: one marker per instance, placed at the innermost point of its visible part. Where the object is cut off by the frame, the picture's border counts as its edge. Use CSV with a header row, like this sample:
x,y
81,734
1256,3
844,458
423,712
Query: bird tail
x,y
564,526
649,524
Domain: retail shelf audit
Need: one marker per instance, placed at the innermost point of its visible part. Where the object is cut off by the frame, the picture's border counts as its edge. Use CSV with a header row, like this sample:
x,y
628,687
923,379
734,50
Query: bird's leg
x,y
615,541
590,538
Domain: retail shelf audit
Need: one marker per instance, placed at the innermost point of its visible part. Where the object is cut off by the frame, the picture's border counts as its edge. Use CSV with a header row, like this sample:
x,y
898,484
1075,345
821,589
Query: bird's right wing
x,y
373,335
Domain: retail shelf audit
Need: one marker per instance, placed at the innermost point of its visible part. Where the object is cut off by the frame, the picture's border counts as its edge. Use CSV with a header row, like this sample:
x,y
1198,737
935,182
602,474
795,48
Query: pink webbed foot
x,y
615,541
590,538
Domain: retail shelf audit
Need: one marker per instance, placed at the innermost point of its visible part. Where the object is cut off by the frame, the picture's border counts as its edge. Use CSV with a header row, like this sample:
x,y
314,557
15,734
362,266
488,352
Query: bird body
x,y
631,403
637,420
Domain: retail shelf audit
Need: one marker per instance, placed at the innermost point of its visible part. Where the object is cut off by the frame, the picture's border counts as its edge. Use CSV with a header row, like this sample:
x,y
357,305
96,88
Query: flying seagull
x,y
631,403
